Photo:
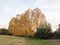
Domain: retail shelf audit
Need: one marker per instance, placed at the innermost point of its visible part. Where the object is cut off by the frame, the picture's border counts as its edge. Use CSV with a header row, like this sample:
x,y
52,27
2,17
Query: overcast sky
x,y
9,9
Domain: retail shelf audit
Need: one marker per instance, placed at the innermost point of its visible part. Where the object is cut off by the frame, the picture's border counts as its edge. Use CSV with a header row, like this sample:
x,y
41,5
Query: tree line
x,y
46,33
42,33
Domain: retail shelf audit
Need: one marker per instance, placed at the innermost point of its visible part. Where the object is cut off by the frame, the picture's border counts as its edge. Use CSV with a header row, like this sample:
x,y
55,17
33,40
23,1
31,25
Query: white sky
x,y
9,9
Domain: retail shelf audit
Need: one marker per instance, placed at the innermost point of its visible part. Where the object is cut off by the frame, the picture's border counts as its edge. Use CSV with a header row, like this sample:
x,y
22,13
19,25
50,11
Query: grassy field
x,y
13,40
43,42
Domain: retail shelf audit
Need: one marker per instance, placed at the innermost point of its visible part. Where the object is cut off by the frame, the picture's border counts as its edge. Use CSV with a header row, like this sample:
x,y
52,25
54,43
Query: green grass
x,y
13,40
34,41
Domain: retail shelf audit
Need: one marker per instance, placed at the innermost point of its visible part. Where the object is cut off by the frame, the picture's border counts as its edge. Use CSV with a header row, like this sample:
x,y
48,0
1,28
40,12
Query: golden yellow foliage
x,y
26,24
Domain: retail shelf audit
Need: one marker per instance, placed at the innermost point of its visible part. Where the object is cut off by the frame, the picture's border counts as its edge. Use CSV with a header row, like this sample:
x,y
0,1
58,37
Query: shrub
x,y
43,33
4,32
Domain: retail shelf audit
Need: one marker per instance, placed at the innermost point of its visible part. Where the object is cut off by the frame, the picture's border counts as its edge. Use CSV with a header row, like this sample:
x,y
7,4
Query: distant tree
x,y
57,33
59,28
4,32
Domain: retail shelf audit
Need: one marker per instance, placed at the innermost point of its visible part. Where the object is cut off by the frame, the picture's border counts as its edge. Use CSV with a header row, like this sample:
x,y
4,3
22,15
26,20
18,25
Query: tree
x,y
26,23
44,33
59,28
57,33
4,32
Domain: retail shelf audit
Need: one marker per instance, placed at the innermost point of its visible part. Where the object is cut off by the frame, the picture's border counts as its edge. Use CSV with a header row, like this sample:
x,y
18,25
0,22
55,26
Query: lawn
x,y
13,40
34,41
